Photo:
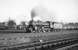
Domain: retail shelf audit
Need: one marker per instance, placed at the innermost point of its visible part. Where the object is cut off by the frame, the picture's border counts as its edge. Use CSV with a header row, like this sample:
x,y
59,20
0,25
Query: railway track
x,y
51,41
54,44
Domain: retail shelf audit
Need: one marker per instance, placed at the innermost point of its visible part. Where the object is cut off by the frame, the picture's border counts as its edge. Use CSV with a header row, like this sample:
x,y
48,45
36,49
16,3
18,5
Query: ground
x,y
17,38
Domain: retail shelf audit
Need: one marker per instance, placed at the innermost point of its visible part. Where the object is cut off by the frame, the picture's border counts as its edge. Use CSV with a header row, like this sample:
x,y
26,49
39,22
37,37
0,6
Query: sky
x,y
53,10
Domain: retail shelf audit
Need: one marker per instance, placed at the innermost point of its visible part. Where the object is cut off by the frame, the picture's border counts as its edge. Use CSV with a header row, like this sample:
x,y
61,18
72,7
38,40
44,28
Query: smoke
x,y
41,12
38,11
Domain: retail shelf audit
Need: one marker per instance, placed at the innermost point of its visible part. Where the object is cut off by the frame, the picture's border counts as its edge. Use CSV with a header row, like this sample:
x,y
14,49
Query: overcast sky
x,y
19,10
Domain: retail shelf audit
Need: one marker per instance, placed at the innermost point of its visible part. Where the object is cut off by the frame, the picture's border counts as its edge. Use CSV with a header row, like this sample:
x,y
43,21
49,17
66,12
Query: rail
x,y
54,44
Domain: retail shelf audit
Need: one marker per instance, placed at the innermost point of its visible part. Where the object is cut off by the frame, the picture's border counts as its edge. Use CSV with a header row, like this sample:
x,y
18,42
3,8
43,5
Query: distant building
x,y
70,26
11,24
2,26
22,26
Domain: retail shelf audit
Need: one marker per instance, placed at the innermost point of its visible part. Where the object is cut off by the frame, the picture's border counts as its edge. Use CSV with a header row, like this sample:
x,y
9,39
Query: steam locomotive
x,y
33,26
